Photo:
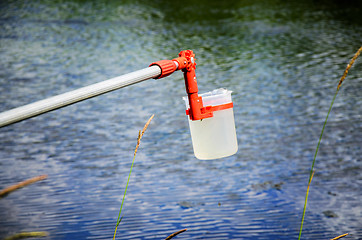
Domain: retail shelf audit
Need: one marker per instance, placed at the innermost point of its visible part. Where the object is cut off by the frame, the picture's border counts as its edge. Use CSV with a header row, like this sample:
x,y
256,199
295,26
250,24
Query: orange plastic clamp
x,y
182,62
167,67
214,108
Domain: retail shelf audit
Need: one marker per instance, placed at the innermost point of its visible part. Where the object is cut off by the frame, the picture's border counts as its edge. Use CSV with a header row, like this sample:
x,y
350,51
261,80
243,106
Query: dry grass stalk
x,y
176,233
21,184
341,236
310,180
320,138
305,203
349,66
140,134
27,235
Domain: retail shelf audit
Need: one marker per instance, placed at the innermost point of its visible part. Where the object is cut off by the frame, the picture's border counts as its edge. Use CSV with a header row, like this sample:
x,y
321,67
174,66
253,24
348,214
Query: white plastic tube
x,y
65,99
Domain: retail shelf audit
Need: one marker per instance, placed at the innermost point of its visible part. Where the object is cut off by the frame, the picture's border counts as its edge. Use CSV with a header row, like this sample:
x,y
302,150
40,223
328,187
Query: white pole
x,y
65,99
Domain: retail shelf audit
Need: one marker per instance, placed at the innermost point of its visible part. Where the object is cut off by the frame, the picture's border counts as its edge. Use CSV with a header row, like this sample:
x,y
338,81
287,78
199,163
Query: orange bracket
x,y
197,111
186,62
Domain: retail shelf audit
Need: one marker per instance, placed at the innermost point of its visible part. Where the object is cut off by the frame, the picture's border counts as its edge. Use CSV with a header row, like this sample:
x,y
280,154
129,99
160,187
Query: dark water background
x,y
282,59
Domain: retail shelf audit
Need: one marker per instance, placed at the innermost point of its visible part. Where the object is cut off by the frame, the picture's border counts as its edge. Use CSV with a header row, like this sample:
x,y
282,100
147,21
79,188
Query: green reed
x,y
320,137
140,134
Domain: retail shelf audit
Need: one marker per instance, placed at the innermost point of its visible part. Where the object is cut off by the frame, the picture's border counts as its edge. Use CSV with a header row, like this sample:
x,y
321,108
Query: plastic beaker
x,y
214,137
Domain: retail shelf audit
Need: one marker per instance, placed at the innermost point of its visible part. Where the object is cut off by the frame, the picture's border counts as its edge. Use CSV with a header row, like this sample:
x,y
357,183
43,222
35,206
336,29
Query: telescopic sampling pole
x,y
68,98
160,69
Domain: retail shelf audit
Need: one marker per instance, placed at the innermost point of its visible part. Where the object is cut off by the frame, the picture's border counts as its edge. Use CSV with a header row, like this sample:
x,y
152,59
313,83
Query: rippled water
x,y
283,62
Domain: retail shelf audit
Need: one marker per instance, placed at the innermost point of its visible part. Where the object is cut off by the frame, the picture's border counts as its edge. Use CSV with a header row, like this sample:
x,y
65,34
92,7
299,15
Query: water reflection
x,y
282,61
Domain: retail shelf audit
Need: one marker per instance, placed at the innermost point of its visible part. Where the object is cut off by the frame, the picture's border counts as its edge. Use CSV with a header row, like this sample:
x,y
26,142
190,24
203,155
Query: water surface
x,y
282,61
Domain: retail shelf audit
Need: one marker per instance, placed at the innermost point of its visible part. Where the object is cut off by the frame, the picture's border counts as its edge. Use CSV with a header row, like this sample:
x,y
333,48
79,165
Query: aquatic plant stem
x,y
312,169
341,236
176,233
27,235
305,205
140,134
22,184
320,138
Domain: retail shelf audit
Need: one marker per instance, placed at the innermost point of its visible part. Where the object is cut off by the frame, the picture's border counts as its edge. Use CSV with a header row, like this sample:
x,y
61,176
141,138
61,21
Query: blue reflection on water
x,y
282,61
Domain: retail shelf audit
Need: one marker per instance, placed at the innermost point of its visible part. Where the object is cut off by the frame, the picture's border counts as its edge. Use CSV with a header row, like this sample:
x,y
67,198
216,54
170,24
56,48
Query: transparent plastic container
x,y
214,137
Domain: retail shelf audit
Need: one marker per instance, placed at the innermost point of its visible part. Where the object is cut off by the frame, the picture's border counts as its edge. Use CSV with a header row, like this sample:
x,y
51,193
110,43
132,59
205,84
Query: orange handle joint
x,y
187,63
197,111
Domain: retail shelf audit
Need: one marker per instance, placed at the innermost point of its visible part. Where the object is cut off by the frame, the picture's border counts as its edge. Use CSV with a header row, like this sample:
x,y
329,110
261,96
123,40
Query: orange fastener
x,y
187,63
197,111
167,67
181,62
